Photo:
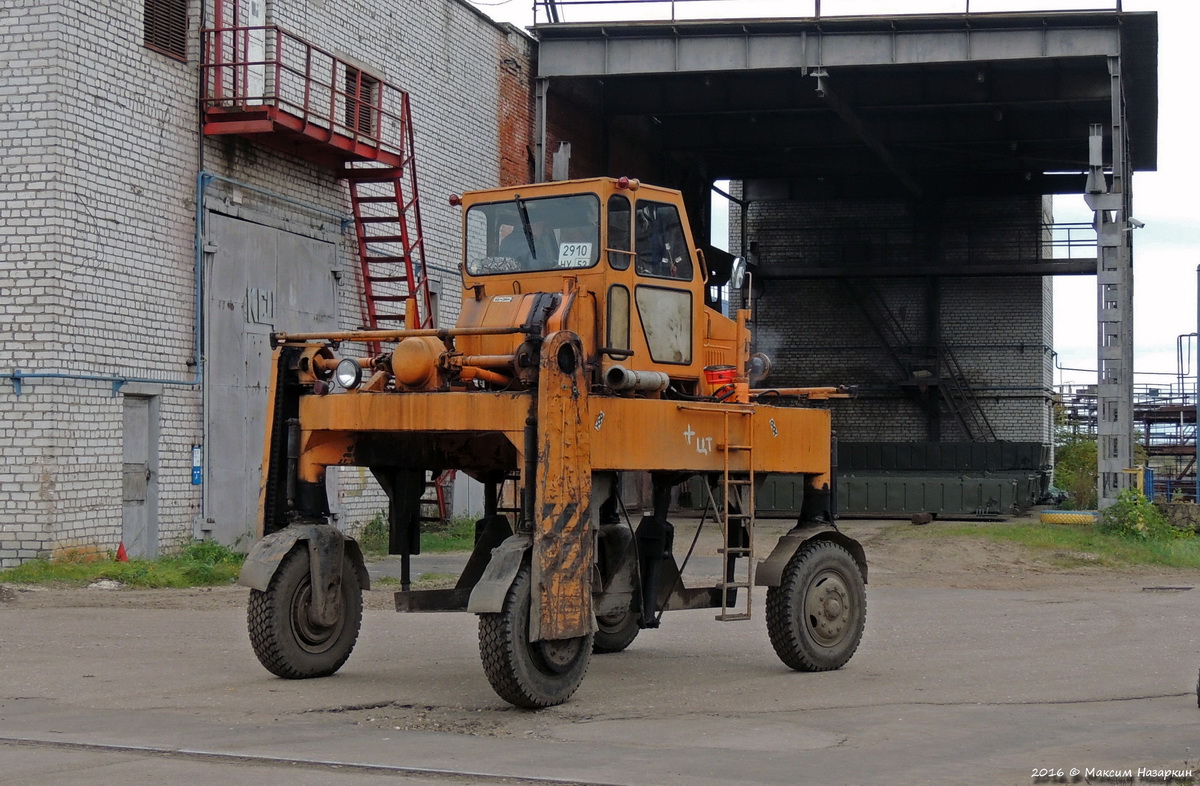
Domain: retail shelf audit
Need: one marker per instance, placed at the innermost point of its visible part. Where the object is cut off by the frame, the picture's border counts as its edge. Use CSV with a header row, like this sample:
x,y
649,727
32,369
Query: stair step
x,y
384,259
734,447
728,585
389,298
738,482
378,219
383,239
387,279
733,617
374,199
735,550
381,175
389,317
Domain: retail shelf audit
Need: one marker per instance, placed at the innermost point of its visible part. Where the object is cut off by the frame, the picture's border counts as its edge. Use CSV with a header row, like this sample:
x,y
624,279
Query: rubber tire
x,y
793,633
615,634
516,667
273,618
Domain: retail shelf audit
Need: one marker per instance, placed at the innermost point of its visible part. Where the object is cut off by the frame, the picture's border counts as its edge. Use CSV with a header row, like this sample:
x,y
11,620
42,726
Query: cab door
x,y
664,294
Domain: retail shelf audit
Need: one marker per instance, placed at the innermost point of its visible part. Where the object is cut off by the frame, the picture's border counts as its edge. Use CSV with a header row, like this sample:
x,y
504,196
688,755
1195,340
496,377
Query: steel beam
x,y
681,48
865,135
1046,267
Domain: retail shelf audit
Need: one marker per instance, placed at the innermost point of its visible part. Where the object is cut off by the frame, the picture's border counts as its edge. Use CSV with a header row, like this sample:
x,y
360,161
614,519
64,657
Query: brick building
x,y
116,426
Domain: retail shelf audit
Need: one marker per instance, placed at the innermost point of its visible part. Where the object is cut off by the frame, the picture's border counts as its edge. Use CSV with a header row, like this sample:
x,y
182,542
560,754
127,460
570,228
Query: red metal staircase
x,y
266,84
391,242
263,83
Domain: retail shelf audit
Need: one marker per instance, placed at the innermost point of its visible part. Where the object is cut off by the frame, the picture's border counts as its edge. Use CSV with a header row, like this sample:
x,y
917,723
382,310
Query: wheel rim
x,y
549,656
827,607
614,622
557,656
311,636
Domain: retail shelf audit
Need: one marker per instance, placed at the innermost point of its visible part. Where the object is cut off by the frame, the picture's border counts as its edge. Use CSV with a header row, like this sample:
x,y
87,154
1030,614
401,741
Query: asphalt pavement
x,y
949,686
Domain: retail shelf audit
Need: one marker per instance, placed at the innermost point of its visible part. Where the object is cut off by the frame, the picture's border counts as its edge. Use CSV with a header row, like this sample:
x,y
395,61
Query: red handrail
x,y
301,79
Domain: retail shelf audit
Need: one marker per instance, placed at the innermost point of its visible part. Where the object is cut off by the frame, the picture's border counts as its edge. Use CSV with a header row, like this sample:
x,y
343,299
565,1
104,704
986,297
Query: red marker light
x,y
455,200
622,182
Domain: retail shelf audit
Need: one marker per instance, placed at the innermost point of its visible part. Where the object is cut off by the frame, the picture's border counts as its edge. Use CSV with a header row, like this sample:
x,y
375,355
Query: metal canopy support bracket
x,y
1114,273
856,125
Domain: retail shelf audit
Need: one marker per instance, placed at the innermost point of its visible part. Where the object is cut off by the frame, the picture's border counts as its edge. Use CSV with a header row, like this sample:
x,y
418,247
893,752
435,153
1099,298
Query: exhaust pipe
x,y
619,378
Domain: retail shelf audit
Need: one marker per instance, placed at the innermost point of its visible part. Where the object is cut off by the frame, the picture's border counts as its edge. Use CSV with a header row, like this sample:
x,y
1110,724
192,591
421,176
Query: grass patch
x,y
456,535
198,564
424,581
1070,545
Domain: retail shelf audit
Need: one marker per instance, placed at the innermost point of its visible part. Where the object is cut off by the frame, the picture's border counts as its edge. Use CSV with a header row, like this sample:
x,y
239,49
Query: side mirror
x,y
737,273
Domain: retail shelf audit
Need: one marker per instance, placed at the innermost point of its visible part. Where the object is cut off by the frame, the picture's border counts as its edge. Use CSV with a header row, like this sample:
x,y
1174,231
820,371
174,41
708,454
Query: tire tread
x,y
785,637
498,642
269,630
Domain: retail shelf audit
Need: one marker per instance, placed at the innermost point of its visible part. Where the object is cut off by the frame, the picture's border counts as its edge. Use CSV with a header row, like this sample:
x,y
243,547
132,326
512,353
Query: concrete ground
x,y
951,685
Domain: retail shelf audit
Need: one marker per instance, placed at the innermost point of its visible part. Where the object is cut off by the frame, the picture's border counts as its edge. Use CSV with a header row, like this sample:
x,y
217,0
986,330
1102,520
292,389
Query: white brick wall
x,y
99,143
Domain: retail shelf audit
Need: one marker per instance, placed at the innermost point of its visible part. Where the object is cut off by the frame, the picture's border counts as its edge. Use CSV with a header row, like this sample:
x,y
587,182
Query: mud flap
x,y
770,570
487,597
326,545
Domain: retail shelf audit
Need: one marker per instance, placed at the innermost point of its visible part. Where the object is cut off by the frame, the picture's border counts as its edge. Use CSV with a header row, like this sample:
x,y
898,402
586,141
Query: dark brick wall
x,y
998,328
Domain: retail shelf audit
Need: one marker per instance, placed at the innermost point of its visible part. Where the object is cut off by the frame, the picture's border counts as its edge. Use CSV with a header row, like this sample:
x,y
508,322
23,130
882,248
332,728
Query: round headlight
x,y
760,367
348,373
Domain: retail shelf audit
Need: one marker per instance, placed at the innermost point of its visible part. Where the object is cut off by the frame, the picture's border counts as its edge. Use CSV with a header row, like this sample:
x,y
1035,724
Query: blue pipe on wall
x,y
203,180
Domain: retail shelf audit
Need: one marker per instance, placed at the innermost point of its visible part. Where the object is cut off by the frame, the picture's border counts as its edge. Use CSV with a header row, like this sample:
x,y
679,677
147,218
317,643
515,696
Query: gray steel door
x,y
139,515
261,279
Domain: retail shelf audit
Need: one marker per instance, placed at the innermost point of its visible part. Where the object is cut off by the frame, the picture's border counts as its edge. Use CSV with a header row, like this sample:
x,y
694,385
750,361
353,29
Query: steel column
x,y
1114,273
541,89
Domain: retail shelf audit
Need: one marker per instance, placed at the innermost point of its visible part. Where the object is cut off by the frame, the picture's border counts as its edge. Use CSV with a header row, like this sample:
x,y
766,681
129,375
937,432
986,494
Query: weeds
x,y
424,581
455,535
373,539
458,534
1069,545
1134,516
198,564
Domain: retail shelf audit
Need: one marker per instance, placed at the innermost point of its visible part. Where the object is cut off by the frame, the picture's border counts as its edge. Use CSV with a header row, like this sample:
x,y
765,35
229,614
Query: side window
x,y
666,316
618,317
618,233
661,248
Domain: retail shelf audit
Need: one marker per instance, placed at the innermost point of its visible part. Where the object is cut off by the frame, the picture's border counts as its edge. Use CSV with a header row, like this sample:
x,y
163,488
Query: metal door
x,y
261,279
139,514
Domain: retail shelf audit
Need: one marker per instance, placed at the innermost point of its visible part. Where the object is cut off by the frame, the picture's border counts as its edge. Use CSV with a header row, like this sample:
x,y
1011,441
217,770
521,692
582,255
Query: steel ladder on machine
x,y
736,513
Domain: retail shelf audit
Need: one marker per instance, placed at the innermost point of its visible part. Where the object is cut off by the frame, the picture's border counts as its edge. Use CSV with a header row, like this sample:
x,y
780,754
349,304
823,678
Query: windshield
x,y
533,234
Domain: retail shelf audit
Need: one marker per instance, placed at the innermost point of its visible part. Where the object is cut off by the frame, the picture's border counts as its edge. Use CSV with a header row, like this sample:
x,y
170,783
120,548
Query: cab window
x,y
618,317
619,214
662,250
545,233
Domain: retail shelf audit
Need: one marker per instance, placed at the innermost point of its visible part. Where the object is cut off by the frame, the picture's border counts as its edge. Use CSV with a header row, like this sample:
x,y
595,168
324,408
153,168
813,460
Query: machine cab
x,y
609,259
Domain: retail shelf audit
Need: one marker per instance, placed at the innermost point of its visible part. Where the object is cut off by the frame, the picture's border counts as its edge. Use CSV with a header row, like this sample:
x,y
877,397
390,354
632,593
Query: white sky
x,y
1166,251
